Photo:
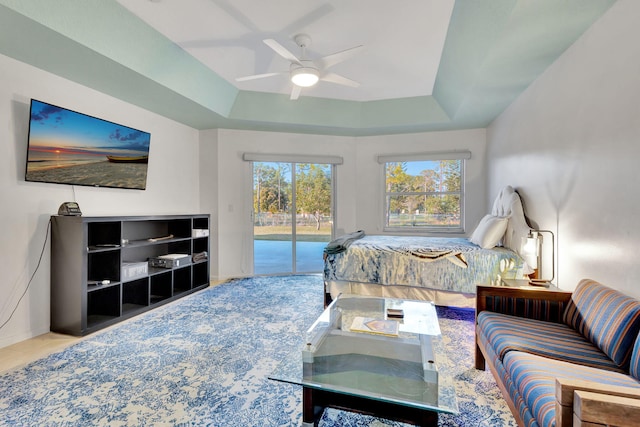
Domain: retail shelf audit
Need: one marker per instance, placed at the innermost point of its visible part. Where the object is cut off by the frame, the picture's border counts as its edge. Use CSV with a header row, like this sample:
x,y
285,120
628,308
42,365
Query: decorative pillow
x,y
606,317
489,232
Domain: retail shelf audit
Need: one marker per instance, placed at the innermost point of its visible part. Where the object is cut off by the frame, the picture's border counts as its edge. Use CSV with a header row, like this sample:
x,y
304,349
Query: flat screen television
x,y
67,147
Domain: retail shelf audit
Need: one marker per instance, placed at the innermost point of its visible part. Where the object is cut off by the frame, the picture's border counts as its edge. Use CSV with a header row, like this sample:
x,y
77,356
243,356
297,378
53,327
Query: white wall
x,y
172,186
571,144
209,184
359,180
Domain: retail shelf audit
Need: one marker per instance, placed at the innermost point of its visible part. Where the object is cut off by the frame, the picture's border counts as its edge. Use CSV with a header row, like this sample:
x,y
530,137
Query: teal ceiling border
x,y
496,48
493,51
110,30
278,108
273,108
474,28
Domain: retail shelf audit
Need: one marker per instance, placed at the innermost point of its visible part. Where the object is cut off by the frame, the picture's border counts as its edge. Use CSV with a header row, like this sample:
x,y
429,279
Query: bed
x,y
444,270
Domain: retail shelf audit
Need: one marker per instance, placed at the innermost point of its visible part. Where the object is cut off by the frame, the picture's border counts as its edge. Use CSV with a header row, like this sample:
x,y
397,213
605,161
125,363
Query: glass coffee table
x,y
396,370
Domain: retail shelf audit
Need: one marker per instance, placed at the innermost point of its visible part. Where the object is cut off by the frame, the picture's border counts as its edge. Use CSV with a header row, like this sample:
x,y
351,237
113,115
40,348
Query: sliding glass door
x,y
272,225
292,216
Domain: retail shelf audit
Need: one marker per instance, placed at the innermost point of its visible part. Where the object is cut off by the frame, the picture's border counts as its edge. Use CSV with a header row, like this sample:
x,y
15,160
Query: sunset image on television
x,y
73,148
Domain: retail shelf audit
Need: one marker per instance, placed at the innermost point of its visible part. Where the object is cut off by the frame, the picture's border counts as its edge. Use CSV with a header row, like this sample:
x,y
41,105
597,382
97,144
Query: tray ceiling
x,y
428,65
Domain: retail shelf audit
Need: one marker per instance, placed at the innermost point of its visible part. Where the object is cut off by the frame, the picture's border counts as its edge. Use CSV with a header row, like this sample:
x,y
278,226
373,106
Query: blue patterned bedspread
x,y
450,264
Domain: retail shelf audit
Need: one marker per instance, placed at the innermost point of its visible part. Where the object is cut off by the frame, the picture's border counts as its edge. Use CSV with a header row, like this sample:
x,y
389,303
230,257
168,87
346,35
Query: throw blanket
x,y
429,254
341,243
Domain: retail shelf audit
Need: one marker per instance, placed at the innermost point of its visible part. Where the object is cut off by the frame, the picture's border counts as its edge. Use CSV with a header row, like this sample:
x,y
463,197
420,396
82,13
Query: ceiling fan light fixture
x,y
305,76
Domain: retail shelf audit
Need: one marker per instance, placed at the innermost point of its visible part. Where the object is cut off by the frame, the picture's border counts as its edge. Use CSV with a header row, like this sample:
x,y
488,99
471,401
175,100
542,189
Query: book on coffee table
x,y
375,326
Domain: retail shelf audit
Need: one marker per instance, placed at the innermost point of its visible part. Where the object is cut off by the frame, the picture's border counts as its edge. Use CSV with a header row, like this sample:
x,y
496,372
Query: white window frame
x,y
434,156
334,161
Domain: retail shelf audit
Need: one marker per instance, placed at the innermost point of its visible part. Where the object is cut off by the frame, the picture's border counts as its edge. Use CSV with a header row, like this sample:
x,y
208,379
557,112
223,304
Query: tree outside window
x,y
424,195
273,198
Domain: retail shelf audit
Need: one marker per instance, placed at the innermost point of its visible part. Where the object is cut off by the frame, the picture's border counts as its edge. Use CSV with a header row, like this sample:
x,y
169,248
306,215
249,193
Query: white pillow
x,y
489,231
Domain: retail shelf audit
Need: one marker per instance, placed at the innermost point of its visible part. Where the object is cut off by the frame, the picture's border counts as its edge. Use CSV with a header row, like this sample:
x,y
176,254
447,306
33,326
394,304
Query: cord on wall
x,y
44,245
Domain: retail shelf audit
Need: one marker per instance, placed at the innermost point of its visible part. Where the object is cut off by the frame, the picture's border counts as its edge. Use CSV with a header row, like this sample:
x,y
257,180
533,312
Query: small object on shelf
x,y
69,209
99,282
538,282
200,256
170,261
395,313
197,232
133,270
157,239
375,326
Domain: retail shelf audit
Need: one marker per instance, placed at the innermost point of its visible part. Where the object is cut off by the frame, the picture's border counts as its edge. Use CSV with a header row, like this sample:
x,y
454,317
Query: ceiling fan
x,y
304,72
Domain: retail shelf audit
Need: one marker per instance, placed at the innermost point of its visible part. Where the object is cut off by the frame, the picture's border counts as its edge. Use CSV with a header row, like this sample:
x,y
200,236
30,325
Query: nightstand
x,y
519,298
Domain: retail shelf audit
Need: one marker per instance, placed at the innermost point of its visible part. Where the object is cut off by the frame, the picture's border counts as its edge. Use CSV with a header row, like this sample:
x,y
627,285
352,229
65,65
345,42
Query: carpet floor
x,y
204,360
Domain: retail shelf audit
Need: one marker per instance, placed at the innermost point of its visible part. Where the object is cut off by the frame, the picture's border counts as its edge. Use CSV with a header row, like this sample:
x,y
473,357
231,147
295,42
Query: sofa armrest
x,y
595,409
524,301
534,302
593,402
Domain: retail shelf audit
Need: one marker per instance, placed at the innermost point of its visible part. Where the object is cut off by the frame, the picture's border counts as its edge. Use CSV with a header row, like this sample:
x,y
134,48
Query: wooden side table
x,y
514,288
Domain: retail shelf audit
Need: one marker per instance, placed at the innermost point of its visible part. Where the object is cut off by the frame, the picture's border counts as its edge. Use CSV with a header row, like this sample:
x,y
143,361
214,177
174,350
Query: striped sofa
x,y
552,353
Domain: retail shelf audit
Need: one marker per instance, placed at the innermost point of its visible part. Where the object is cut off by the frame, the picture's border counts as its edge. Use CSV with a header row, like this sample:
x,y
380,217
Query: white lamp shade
x,y
530,251
305,76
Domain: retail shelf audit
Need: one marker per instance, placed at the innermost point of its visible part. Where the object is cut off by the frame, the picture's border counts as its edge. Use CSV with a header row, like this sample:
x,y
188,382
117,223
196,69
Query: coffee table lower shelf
x,y
315,401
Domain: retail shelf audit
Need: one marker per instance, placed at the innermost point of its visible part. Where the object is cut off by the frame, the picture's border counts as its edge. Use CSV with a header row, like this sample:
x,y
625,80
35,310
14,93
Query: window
x,y
425,195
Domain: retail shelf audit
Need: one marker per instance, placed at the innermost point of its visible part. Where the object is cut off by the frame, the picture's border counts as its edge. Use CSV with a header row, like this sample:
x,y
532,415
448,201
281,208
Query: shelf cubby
x,y
201,223
200,272
161,288
200,244
103,305
103,265
135,295
180,247
103,234
181,280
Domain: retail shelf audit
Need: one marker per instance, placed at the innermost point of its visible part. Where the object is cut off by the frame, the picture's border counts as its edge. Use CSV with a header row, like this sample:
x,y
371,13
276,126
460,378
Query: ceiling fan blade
x,y
281,50
237,15
335,58
308,19
295,92
257,76
338,79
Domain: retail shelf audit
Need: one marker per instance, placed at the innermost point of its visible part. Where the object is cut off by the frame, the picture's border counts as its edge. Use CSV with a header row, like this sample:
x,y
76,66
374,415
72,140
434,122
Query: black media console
x,y
100,273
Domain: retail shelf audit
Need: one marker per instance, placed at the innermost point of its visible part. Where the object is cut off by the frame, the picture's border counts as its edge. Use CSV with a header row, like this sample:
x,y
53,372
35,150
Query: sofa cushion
x,y
606,317
534,379
517,400
504,333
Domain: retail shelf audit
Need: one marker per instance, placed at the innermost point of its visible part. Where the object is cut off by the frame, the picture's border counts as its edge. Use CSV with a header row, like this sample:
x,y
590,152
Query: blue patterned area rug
x,y
204,361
